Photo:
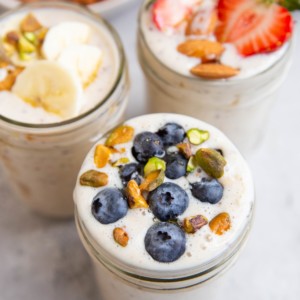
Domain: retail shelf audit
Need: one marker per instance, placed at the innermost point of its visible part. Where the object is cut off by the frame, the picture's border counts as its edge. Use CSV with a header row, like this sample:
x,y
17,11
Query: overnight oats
x,y
220,61
64,82
163,203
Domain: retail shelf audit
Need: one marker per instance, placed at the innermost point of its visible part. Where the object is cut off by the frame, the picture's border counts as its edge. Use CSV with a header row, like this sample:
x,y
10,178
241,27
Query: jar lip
x,y
217,82
95,17
159,277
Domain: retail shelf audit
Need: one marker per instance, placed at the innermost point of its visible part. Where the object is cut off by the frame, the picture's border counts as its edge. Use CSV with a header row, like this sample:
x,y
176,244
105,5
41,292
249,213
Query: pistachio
x,y
30,24
101,156
153,180
31,37
192,224
211,161
12,37
185,149
121,161
154,164
134,195
24,46
41,34
220,223
94,179
120,236
11,76
191,166
120,135
25,56
197,136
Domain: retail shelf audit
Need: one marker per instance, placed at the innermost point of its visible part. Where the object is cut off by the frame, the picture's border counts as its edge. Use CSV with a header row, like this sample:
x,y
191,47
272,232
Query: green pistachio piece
x,y
197,136
211,161
157,181
120,162
31,37
94,178
25,56
154,164
191,166
25,46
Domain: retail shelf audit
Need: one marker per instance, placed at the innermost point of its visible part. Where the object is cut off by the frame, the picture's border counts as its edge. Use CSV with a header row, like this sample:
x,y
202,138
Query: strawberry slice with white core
x,y
169,13
253,26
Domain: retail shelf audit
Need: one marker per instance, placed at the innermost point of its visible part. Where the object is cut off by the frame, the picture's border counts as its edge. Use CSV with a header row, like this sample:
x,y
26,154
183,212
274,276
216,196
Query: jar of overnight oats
x,y
233,87
166,211
64,82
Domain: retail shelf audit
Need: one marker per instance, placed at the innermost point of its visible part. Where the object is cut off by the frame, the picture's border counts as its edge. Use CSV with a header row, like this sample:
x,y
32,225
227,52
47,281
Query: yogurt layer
x,y
164,46
202,246
92,95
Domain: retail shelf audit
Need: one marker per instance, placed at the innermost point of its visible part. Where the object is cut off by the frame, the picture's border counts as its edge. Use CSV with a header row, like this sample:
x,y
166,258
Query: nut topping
x,y
153,180
30,24
120,135
94,178
135,198
185,149
120,236
101,156
154,164
192,224
197,136
214,71
220,224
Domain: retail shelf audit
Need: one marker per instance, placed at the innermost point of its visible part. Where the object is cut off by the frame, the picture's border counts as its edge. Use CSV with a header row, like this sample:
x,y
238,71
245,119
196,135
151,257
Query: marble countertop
x,y
43,259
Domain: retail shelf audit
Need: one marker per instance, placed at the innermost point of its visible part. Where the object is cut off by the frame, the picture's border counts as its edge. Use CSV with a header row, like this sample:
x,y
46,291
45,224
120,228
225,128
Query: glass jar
x,y
42,161
119,281
240,108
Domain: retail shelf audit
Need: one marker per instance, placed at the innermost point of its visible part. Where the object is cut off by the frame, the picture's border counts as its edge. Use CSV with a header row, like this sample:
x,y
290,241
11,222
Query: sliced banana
x,y
61,36
49,85
83,60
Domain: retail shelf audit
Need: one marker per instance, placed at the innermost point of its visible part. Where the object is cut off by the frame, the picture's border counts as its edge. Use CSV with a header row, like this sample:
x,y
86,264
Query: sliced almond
x,y
204,49
120,236
134,195
101,156
214,71
30,24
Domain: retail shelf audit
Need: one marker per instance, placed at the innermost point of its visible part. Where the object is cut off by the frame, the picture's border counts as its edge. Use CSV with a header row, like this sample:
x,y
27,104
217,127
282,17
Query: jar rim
x,y
118,78
217,82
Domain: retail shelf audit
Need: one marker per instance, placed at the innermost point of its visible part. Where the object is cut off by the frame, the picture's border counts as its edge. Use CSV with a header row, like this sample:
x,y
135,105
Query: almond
x,y
120,236
101,156
120,135
204,49
220,223
214,71
134,195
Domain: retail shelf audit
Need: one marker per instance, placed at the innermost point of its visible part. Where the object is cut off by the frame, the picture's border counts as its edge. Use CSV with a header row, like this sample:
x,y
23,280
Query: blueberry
x,y
168,201
176,165
165,242
147,145
130,171
208,190
109,205
171,134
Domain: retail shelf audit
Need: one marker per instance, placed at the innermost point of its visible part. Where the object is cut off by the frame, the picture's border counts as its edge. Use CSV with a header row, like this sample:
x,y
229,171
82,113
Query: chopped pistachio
x,y
25,56
153,180
211,161
120,135
94,179
220,223
30,24
31,37
101,156
185,149
121,161
191,166
154,164
12,37
192,224
120,236
134,195
25,46
197,136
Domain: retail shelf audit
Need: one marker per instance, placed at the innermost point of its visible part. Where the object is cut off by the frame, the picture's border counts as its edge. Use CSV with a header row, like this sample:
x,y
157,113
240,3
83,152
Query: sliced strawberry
x,y
253,27
169,13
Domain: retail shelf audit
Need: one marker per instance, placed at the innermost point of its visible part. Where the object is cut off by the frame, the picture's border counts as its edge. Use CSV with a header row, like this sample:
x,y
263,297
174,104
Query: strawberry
x,y
253,26
171,13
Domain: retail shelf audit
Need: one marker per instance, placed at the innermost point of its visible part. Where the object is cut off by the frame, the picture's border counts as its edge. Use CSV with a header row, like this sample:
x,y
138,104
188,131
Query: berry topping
x,y
176,165
208,190
168,14
168,201
147,145
165,242
129,172
253,26
171,134
109,205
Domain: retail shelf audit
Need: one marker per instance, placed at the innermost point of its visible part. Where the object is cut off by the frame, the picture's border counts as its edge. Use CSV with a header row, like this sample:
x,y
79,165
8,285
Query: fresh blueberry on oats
x,y
130,171
176,165
165,242
171,134
109,205
208,190
168,201
146,145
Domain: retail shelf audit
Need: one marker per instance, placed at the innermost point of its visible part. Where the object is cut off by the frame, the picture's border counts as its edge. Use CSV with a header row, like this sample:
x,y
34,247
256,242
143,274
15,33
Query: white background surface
x,y
44,260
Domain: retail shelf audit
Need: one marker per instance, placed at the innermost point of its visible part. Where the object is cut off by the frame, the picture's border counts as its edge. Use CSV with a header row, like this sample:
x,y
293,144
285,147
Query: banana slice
x,y
83,60
63,35
49,85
